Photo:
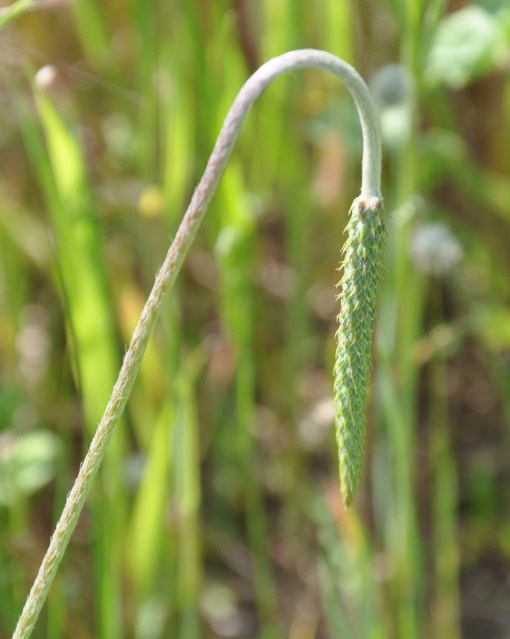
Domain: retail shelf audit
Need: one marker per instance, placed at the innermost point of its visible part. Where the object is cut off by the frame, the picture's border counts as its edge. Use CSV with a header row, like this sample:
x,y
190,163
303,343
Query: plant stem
x,y
370,190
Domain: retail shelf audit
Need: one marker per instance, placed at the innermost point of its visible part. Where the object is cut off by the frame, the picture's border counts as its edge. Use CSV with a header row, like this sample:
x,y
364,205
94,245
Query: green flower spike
x,y
358,304
358,296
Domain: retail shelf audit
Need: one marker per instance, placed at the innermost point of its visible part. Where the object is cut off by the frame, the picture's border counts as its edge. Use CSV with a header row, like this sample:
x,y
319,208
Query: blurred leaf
x,y
492,324
21,6
9,13
444,155
9,401
90,325
347,584
80,262
467,45
149,507
25,231
27,462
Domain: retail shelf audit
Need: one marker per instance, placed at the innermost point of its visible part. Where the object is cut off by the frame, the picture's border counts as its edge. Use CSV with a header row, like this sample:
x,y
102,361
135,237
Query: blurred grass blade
x,y
187,496
149,508
80,264
348,588
9,13
235,250
89,323
445,611
92,31
22,6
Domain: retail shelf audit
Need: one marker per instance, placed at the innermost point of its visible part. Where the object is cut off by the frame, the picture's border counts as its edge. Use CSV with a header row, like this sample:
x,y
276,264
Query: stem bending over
x,y
370,193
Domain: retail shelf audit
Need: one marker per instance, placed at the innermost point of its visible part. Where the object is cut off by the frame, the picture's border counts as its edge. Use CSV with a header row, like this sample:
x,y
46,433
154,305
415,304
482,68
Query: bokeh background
x,y
217,511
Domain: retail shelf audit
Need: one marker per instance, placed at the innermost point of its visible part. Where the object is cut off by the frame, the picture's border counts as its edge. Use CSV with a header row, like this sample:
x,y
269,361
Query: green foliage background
x,y
217,511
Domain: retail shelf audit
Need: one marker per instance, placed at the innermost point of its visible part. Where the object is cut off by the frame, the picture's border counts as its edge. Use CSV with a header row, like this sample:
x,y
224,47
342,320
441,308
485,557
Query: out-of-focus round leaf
x,y
468,45
27,462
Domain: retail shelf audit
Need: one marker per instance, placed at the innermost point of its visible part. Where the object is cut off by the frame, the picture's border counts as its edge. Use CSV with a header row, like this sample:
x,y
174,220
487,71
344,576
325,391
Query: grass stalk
x,y
370,189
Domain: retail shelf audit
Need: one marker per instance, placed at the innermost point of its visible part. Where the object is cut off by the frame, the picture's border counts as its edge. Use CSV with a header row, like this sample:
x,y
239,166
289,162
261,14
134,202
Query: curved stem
x,y
370,190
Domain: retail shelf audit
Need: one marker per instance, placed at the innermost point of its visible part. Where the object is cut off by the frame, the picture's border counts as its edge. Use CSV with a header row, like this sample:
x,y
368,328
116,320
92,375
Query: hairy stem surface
x,y
370,188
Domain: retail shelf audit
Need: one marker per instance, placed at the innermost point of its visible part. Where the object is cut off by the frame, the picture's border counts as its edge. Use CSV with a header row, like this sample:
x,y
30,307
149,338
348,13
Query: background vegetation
x,y
217,511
